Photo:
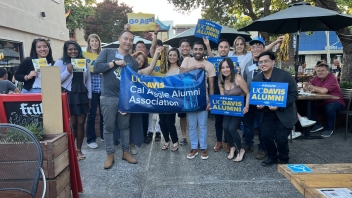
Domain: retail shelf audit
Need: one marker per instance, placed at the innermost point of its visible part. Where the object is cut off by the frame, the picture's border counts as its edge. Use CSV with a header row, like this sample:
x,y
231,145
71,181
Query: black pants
x,y
248,122
272,130
231,123
167,126
145,119
219,127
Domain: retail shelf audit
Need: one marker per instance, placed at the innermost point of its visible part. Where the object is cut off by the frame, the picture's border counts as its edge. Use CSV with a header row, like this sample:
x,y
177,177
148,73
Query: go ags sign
x,y
141,21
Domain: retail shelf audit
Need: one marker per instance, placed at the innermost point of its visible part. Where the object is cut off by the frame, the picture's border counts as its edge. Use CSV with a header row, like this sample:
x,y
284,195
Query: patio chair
x,y
347,112
21,161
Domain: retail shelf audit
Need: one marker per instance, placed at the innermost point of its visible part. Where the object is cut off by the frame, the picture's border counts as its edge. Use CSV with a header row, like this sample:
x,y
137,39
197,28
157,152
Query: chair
x,y
347,112
21,160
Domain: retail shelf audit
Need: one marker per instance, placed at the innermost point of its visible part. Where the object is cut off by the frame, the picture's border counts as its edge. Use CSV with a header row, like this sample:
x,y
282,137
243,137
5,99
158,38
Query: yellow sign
x,y
156,71
79,65
1,56
40,62
90,58
141,22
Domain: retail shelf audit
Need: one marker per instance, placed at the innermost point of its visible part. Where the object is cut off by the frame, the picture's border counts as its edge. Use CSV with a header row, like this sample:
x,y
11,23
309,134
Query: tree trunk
x,y
344,35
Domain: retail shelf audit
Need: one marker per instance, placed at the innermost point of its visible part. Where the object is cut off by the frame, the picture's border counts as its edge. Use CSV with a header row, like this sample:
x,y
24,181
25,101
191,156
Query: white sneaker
x,y
93,145
305,122
133,150
294,135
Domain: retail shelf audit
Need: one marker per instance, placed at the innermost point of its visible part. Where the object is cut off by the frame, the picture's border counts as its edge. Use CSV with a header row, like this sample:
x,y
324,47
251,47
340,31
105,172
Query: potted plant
x,y
346,88
55,157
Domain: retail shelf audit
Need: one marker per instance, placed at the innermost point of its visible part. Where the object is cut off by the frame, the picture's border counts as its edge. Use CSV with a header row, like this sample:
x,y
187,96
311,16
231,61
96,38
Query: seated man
x,y
5,85
326,83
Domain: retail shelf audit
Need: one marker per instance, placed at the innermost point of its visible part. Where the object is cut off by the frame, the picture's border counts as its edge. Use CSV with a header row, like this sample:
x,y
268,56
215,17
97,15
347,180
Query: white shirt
x,y
243,59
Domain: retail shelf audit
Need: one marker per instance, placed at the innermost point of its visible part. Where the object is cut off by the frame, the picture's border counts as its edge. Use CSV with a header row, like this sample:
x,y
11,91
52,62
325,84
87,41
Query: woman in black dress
x,y
78,87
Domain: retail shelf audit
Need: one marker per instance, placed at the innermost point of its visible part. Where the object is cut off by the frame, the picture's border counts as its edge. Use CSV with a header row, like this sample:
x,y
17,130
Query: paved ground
x,y
170,174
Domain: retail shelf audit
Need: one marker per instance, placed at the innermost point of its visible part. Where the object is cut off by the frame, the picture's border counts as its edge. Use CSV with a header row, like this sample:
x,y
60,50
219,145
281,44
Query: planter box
x,y
55,164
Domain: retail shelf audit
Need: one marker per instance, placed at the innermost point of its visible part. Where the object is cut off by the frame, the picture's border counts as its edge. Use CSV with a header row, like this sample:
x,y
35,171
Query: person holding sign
x,y
167,121
232,84
223,50
26,73
199,118
244,57
110,63
276,123
94,47
78,88
251,70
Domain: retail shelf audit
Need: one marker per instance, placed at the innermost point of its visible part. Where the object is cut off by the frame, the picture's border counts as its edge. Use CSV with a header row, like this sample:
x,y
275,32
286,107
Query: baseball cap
x,y
257,40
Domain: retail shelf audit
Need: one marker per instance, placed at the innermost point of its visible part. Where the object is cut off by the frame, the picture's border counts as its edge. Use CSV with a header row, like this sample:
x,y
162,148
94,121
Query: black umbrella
x,y
300,17
226,33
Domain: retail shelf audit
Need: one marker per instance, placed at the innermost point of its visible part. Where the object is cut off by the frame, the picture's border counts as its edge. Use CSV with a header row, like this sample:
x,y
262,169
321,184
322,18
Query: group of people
x,y
101,88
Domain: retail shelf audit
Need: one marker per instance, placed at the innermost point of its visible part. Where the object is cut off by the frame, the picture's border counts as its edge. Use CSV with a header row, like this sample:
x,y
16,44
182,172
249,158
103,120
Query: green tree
x,y
344,34
80,9
108,20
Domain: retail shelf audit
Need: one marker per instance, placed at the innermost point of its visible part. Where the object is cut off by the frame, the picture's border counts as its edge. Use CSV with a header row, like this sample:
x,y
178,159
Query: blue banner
x,y
170,94
268,94
216,60
227,105
205,28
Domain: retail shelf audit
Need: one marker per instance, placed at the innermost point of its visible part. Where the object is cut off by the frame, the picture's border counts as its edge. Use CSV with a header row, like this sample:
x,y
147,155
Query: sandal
x,y
80,155
165,146
175,146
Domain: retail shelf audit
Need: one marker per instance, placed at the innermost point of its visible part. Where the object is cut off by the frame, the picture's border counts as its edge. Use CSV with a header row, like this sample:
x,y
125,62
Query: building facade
x,y
23,20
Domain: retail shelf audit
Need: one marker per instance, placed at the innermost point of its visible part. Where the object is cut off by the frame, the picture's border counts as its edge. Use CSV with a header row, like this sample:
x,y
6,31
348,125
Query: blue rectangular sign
x,y
153,94
227,105
299,168
209,29
216,60
268,94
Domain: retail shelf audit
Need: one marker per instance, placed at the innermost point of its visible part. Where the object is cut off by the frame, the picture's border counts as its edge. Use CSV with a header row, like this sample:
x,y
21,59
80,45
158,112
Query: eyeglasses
x,y
264,62
256,47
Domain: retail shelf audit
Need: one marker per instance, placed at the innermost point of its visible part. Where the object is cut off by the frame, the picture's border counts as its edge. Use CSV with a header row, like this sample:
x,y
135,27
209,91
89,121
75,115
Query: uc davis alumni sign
x,y
153,94
268,94
227,105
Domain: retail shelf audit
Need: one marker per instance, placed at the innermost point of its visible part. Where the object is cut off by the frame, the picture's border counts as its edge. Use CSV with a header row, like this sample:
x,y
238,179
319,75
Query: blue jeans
x,y
24,91
199,118
90,129
248,121
330,113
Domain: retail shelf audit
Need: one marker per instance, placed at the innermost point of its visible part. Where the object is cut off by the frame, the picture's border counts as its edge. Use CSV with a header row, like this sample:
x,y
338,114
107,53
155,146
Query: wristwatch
x,y
113,61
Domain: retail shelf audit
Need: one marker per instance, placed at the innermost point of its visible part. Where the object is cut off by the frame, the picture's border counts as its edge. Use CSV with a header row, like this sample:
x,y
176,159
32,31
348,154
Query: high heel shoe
x,y
239,158
232,153
165,146
175,146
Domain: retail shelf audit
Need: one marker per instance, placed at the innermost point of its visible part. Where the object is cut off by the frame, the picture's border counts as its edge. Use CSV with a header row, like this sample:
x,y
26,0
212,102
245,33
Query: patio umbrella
x,y
300,17
116,44
226,33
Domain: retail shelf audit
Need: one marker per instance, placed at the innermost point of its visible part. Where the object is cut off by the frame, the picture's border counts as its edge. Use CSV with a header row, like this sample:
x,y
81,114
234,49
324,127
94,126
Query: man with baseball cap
x,y
251,70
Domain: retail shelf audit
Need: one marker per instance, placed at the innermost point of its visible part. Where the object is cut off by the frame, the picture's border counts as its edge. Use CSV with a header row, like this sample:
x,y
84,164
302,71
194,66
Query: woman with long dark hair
x,y
25,73
78,87
167,121
231,83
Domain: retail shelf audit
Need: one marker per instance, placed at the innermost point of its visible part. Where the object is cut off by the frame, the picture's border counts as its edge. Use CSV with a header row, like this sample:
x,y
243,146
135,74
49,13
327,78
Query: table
x,y
309,99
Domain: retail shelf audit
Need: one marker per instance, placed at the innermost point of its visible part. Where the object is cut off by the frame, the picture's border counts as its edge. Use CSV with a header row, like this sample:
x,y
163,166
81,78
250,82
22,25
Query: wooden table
x,y
309,99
